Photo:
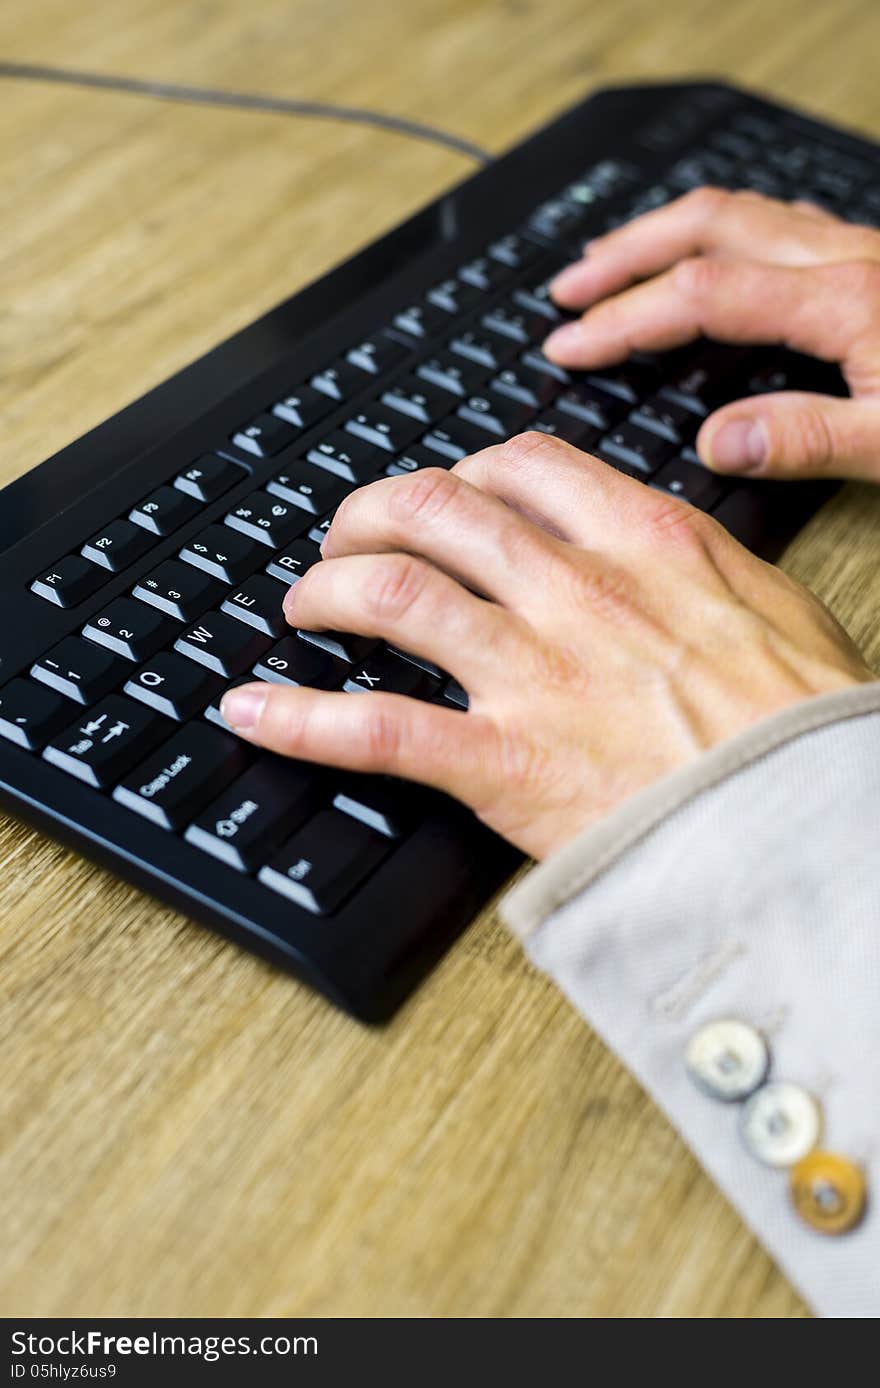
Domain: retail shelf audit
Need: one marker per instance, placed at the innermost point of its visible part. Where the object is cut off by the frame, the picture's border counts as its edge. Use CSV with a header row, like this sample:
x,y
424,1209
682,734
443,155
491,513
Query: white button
x,y
727,1059
781,1123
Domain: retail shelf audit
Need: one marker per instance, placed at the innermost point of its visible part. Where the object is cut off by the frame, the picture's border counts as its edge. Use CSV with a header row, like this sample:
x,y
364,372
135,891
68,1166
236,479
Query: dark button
x,y
484,272
107,741
567,427
513,250
129,628
692,482
266,519
342,644
117,545
221,644
630,380
173,686
296,662
636,447
593,406
79,670
164,510
30,714
339,381
265,436
454,296
222,553
350,458
70,581
303,408
420,399
178,590
496,414
455,695
391,674
538,362
376,355
313,490
668,418
491,350
325,861
383,428
529,387
293,561
256,813
416,457
209,477
389,806
421,320
177,781
451,373
257,602
455,438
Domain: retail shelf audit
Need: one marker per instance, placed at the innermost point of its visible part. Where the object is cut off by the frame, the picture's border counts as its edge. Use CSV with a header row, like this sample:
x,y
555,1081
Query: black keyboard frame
x,y
368,955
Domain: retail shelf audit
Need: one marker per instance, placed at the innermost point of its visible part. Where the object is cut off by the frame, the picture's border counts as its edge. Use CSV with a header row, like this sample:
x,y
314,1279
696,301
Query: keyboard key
x,y
536,299
256,813
258,603
266,519
303,408
636,447
454,296
491,350
529,387
630,381
30,713
107,741
265,436
340,381
79,670
451,373
389,806
513,250
383,428
350,458
565,426
70,581
342,644
296,662
593,406
318,532
390,674
670,420
325,861
421,320
516,323
535,359
164,510
417,457
709,381
116,546
209,477
175,687
456,438
222,553
311,489
376,355
222,644
178,590
454,694
692,482
129,628
419,399
212,712
484,272
177,781
293,561
496,414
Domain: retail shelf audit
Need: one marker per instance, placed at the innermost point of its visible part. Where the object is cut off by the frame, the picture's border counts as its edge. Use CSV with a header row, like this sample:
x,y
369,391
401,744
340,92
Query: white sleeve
x,y
746,885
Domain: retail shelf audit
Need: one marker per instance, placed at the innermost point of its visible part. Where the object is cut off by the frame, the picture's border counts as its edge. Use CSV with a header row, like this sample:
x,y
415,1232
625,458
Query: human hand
x,y
618,632
739,267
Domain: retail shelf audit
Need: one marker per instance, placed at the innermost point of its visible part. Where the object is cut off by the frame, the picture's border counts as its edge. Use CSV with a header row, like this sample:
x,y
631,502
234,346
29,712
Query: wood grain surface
x,y
185,1131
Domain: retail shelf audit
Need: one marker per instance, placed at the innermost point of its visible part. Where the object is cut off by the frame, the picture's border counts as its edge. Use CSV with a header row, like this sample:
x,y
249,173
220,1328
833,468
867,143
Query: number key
x,y
264,518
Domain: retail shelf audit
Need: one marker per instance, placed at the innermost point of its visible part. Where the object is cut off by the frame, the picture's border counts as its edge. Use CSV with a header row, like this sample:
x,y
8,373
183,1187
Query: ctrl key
x,y
324,863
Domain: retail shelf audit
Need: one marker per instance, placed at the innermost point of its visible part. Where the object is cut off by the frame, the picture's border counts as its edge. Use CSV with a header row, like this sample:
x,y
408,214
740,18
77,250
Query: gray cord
x,y
248,101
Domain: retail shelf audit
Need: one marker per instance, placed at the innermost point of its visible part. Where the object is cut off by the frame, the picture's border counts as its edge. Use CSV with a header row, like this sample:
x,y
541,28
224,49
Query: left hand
x,y
618,632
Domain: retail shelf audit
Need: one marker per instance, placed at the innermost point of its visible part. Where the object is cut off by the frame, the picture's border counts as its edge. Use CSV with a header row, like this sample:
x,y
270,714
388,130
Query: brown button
x,y
829,1192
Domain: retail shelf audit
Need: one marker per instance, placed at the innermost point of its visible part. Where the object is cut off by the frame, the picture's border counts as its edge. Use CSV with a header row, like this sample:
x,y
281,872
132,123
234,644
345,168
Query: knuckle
x,y
381,732
814,441
859,279
697,277
393,585
603,588
707,202
669,519
422,495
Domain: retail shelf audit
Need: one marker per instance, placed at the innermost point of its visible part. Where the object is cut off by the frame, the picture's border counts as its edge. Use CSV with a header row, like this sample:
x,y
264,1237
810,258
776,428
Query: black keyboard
x,y
143,568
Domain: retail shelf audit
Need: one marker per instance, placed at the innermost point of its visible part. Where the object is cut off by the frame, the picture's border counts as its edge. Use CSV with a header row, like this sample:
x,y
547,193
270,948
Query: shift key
x,y
255,814
173,785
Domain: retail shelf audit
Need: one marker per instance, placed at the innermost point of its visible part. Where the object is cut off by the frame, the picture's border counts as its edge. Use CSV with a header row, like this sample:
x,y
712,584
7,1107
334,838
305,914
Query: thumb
x,y
794,434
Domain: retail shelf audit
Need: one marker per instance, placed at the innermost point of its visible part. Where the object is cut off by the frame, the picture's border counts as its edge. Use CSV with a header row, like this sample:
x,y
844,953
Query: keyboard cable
x,y
246,101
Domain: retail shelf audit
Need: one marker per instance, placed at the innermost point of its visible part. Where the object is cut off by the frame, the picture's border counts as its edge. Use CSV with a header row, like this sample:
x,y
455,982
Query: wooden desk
x,y
185,1131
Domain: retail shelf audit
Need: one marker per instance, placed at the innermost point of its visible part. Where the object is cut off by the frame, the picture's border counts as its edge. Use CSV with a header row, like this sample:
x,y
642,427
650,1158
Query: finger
x,y
384,733
437,515
708,221
414,606
733,301
794,434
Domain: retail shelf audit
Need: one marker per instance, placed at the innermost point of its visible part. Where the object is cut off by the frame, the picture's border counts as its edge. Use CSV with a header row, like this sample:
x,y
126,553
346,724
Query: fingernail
x,y
562,341
739,445
241,708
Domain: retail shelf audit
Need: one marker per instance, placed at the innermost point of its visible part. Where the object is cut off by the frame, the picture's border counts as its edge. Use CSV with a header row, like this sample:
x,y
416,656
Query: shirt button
x,y
781,1123
727,1059
829,1192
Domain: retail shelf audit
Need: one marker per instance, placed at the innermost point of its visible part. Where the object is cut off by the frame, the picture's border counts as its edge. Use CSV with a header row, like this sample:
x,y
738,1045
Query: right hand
x,y
739,267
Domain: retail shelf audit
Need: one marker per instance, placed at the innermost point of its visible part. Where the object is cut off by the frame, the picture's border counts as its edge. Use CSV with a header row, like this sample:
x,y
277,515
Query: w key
x,y
175,783
221,644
